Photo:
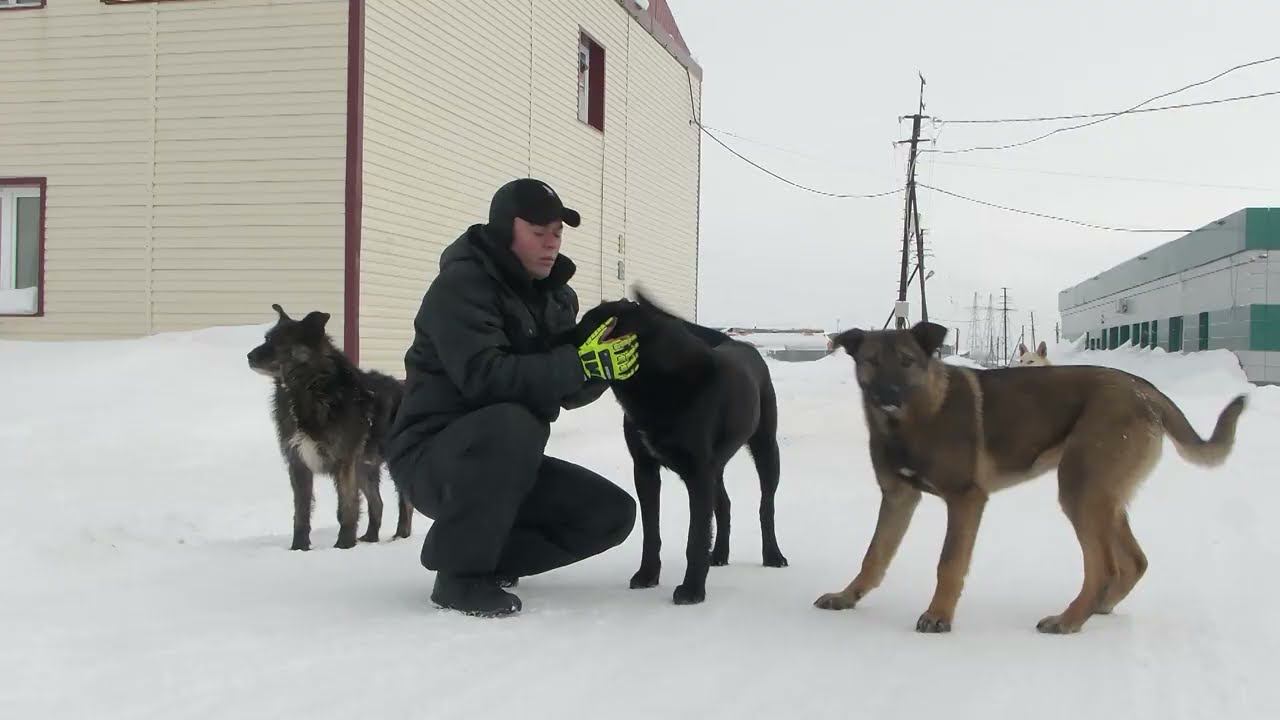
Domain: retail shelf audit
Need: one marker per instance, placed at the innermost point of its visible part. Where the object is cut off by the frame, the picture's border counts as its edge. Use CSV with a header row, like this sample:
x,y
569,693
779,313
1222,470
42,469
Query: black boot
x,y
474,595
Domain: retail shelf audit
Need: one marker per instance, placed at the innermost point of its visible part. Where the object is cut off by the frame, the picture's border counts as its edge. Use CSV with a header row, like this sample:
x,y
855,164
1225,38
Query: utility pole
x,y
924,304
1033,329
909,212
1056,338
1005,314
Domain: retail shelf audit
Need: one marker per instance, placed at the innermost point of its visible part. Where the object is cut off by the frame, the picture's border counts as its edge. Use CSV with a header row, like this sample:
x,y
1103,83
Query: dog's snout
x,y
887,394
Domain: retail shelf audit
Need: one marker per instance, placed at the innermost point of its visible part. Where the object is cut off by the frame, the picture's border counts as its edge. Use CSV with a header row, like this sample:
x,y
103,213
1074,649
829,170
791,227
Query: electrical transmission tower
x,y
973,325
1004,312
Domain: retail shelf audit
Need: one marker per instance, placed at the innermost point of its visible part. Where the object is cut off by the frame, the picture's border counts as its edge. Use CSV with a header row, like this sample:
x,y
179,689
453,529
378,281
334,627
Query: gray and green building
x,y
1207,290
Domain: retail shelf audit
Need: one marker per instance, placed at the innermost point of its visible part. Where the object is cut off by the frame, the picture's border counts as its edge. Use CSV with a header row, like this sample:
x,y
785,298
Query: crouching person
x,y
485,380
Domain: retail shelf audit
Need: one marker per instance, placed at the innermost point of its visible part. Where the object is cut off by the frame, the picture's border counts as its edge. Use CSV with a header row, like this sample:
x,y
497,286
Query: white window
x,y
11,4
20,251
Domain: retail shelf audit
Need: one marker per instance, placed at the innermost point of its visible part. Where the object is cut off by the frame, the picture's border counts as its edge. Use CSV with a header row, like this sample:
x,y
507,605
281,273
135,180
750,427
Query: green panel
x,y
1115,338
1175,334
1146,335
1262,228
1155,333
1124,335
1204,331
1134,333
1264,327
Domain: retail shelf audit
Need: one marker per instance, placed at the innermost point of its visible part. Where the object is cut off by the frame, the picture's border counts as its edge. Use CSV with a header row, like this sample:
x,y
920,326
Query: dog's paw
x,y
719,558
930,623
686,595
644,578
1058,625
836,601
302,545
369,537
403,533
346,541
774,560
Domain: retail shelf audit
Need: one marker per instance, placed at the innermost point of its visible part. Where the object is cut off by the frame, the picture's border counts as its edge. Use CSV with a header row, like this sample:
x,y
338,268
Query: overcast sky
x,y
826,82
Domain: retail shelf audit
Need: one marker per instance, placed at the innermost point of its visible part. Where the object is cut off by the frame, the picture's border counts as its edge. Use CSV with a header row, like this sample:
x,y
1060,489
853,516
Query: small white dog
x,y
1039,357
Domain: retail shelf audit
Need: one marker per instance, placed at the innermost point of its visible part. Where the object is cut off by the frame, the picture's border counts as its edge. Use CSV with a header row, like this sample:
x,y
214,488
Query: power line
x,y
1048,217
1108,116
1086,116
789,181
1122,178
1056,173
696,120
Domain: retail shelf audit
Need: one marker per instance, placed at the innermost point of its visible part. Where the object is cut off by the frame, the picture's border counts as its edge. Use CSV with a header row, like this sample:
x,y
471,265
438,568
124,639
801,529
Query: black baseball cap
x,y
532,201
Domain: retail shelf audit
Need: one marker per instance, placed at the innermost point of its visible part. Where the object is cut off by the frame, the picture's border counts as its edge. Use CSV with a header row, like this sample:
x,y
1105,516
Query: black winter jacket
x,y
483,336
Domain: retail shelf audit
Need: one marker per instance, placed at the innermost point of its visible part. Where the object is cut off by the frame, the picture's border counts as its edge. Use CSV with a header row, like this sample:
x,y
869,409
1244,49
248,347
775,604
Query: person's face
x,y
537,246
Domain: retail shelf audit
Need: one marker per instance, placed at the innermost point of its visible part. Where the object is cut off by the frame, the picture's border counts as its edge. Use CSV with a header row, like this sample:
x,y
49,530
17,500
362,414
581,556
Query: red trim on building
x,y
43,184
661,24
354,200
595,86
660,11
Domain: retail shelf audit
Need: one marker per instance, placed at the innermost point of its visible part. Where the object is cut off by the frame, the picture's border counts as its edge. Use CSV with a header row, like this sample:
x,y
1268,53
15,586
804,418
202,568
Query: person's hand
x,y
609,359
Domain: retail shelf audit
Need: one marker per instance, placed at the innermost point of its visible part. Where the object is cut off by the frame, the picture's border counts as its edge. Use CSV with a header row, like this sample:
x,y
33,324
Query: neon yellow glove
x,y
611,359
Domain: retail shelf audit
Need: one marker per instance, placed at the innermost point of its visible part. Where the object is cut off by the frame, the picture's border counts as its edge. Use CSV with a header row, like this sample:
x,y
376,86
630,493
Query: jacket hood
x,y
479,245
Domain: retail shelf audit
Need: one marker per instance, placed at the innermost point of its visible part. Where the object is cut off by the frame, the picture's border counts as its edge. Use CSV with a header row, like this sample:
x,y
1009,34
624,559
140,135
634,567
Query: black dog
x,y
696,398
331,418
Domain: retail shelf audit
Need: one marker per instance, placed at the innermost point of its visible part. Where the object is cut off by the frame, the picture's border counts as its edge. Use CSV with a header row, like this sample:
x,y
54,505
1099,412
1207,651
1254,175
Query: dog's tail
x,y
1193,448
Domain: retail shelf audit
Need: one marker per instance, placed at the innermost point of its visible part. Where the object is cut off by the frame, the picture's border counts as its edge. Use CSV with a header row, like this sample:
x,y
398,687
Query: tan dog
x,y
1038,358
962,435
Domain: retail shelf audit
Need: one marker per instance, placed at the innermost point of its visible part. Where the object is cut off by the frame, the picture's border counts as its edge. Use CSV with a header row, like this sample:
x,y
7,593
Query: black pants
x,y
501,506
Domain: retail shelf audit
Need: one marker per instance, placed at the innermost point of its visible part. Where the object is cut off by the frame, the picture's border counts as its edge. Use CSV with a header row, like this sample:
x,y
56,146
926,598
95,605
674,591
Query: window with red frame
x,y
590,82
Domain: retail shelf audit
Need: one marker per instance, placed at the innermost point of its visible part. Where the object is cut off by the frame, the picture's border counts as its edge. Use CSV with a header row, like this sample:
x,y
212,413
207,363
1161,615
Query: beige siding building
x,y
177,165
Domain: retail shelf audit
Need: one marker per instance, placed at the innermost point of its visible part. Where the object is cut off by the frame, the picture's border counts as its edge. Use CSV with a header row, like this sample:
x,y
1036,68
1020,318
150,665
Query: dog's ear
x,y
280,311
1022,349
929,336
642,299
315,320
645,302
850,340
1042,350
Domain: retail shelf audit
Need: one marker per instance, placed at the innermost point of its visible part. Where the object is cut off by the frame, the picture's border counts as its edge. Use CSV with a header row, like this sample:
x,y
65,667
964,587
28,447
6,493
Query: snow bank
x,y
147,575
783,341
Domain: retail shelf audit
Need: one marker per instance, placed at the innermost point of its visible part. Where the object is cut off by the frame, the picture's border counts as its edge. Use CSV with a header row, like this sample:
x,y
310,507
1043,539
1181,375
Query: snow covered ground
x,y
146,573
